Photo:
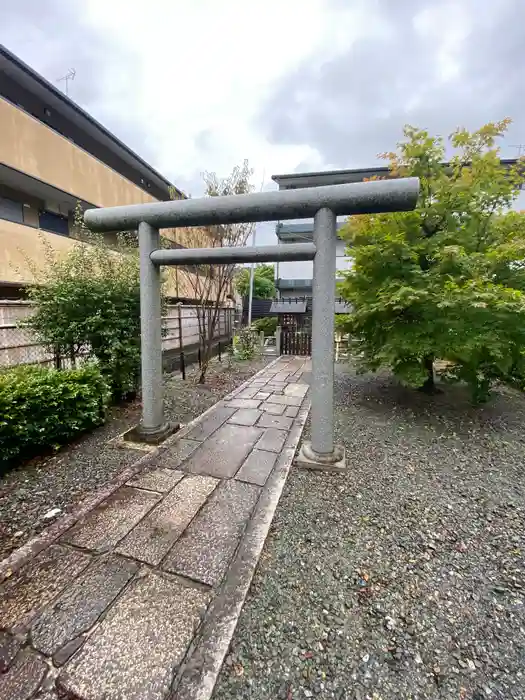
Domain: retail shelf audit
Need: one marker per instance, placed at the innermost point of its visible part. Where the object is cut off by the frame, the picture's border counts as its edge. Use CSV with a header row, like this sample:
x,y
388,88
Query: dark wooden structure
x,y
296,343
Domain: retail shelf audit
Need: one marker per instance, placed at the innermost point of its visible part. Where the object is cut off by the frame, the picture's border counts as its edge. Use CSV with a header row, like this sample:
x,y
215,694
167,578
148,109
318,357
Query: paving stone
x,y
214,420
257,467
135,651
247,393
272,440
281,376
276,409
306,377
154,536
292,411
67,651
174,456
26,593
160,480
245,416
279,422
299,390
296,371
9,646
287,400
80,606
223,453
208,545
243,403
24,676
112,519
47,694
262,395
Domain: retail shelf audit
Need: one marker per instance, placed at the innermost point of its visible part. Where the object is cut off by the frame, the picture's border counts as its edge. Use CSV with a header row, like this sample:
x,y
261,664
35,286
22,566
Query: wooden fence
x,y
296,343
19,346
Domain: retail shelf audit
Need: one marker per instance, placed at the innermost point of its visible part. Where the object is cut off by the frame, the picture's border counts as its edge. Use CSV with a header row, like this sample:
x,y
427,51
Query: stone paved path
x,y
138,599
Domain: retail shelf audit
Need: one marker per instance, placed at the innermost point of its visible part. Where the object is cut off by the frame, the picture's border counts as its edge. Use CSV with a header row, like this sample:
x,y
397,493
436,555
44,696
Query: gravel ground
x,y
405,578
36,487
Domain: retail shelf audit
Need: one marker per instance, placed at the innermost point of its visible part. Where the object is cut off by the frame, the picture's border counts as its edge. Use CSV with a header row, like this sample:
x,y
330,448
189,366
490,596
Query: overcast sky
x,y
292,85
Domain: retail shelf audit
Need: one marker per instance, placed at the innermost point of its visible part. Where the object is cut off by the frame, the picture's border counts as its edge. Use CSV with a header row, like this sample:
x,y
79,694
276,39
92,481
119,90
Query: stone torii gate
x,y
324,204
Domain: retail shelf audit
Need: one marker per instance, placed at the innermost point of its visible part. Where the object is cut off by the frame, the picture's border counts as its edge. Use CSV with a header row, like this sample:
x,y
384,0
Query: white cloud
x,y
200,72
293,85
444,26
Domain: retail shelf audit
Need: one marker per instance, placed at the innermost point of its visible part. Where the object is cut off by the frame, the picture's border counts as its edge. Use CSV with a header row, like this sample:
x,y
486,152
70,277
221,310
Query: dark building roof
x,y
288,306
284,283
292,181
28,90
298,232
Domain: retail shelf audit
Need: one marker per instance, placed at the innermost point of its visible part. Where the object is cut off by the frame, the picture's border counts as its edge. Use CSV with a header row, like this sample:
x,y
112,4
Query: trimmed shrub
x,y
42,408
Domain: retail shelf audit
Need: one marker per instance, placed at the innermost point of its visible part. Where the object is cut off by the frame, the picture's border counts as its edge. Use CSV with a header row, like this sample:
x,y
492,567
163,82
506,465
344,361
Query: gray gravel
x,y
36,487
405,578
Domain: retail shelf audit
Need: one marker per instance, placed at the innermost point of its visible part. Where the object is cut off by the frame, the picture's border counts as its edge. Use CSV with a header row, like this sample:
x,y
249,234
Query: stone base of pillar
x,y
308,459
150,436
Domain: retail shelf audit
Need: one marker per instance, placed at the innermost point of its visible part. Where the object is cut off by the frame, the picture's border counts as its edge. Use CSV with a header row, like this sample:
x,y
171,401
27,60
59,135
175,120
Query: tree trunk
x,y
207,349
205,361
429,385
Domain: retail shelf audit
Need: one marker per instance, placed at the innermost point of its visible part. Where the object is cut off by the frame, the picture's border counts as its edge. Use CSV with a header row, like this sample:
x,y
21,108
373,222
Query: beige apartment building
x,y
53,155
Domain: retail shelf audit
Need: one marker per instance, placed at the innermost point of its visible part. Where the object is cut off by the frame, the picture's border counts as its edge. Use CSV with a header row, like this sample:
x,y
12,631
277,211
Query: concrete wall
x,y
304,270
31,147
20,244
19,346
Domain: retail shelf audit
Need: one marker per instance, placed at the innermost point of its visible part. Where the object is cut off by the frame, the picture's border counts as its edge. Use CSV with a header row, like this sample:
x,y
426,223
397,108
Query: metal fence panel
x,y
19,346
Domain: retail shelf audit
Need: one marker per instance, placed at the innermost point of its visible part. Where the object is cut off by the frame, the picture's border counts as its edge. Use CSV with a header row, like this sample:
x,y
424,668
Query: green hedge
x,y
42,408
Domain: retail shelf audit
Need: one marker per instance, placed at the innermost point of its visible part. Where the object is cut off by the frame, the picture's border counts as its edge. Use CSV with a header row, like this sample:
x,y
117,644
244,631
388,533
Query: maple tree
x,y
447,280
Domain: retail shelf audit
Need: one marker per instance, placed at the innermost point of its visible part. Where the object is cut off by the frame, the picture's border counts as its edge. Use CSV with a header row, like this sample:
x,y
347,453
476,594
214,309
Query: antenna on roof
x,y
520,147
70,75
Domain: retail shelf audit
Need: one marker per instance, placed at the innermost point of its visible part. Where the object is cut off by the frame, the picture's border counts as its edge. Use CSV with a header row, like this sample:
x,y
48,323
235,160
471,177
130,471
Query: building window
x,y
11,210
55,223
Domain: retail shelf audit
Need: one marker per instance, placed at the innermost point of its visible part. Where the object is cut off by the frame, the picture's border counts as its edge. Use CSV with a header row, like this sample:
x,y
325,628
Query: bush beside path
x,y
45,485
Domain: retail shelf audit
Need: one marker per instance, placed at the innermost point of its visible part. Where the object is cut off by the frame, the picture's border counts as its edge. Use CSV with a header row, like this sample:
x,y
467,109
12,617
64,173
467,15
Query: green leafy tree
x,y
446,281
263,282
88,303
267,324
